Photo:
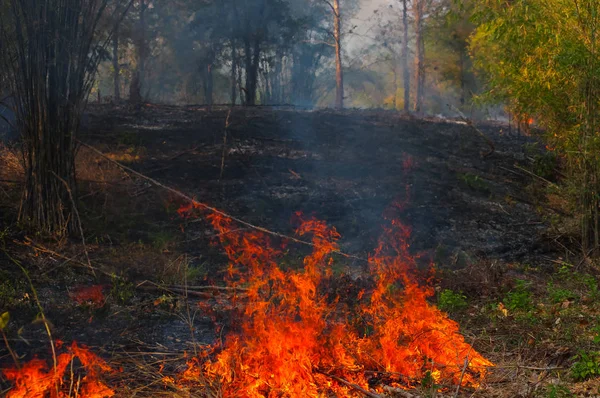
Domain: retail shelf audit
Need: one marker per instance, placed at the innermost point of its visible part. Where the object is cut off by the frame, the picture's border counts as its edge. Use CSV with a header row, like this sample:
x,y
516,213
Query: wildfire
x,y
294,340
35,380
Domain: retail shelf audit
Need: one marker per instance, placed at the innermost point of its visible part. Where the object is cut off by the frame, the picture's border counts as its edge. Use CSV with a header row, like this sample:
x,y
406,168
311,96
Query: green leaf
x,y
4,319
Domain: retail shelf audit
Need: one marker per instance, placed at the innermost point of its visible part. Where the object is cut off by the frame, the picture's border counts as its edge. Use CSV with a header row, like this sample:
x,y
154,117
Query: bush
x,y
450,301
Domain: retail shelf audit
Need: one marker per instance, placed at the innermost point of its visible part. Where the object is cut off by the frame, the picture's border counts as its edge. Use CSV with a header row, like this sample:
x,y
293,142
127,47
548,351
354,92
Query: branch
x,y
351,385
213,209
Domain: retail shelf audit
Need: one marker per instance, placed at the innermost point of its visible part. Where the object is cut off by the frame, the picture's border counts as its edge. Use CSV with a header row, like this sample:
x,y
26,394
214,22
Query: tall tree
x,y
51,63
419,16
116,64
405,70
542,57
337,37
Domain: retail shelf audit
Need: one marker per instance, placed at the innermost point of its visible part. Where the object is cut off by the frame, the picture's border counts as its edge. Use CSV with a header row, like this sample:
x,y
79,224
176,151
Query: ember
x,y
295,341
35,380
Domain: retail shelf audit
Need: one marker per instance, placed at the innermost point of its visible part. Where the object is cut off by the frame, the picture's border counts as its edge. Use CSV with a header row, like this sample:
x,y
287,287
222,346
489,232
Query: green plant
x,y
519,298
558,391
161,240
559,295
586,365
428,385
122,290
474,182
450,301
545,165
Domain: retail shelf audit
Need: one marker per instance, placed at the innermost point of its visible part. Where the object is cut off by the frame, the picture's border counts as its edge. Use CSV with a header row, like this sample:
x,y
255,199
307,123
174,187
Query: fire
x,y
294,340
35,380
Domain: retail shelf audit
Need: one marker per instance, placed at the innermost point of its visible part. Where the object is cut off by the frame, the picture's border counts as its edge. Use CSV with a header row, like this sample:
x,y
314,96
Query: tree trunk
x,y
116,65
419,12
142,49
339,73
233,73
405,70
248,68
208,84
51,81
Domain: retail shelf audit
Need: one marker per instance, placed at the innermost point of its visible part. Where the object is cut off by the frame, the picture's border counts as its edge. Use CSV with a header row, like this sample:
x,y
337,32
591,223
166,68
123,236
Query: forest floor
x,y
500,237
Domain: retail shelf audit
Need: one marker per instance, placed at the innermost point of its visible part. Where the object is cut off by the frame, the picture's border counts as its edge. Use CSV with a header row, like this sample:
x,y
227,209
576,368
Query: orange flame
x,y
35,380
293,337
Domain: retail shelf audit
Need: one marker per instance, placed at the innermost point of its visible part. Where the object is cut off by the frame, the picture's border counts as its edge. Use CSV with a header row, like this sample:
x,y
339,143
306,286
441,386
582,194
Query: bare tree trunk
x,y
116,65
137,81
419,11
405,71
51,73
142,49
233,73
208,84
339,73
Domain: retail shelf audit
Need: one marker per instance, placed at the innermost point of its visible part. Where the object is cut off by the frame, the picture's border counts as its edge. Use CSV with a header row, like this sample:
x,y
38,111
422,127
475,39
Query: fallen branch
x,y
210,208
351,385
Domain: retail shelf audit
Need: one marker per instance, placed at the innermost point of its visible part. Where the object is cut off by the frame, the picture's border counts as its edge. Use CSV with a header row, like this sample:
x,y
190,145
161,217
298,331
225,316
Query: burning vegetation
x,y
35,379
292,338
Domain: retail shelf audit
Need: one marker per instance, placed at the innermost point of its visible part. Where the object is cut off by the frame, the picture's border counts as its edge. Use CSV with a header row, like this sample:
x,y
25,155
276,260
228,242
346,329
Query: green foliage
x,y
161,240
519,298
541,58
559,295
450,301
428,385
122,290
11,289
558,391
474,182
586,366
4,320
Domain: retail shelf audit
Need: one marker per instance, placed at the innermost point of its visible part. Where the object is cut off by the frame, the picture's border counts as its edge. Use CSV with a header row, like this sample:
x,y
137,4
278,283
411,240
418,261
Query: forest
x,y
299,198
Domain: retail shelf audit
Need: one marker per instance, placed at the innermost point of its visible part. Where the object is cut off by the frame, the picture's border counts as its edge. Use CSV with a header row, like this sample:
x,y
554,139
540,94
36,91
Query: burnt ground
x,y
345,168
466,208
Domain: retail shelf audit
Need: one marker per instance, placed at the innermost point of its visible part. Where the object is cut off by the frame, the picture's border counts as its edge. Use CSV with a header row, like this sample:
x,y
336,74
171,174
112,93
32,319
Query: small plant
x,y
450,301
429,386
122,290
558,391
161,240
474,182
519,298
559,295
586,366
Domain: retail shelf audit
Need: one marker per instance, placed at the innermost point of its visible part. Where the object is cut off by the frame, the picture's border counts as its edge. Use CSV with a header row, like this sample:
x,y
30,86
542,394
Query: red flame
x,y
35,380
294,340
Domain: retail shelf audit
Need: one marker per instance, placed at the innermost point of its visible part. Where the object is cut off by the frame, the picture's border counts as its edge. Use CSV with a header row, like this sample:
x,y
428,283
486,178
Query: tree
x,y
337,37
405,70
419,16
52,55
542,56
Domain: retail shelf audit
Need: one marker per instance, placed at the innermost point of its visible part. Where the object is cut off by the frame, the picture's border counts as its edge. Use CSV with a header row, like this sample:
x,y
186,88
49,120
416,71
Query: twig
x,y
462,375
213,209
536,176
87,255
351,385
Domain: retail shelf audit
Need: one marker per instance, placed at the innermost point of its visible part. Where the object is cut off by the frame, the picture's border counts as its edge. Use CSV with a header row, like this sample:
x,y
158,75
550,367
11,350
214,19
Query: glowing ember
x,y
92,295
295,341
35,380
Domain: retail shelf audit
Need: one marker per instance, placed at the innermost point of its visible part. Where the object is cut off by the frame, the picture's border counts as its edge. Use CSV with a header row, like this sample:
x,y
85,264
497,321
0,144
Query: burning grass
x,y
293,339
35,380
